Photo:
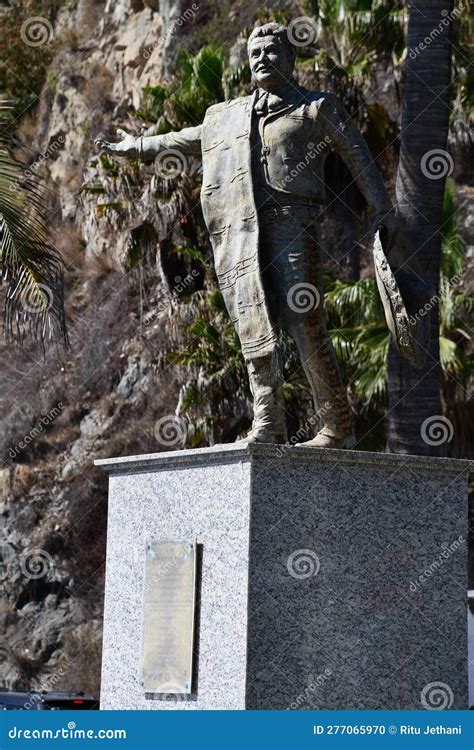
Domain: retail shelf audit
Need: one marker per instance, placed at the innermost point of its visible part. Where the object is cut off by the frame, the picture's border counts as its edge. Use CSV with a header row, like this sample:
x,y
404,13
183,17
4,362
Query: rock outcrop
x,y
105,395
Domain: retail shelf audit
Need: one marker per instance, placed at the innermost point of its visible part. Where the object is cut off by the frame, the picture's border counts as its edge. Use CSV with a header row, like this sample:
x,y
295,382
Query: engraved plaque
x,y
168,632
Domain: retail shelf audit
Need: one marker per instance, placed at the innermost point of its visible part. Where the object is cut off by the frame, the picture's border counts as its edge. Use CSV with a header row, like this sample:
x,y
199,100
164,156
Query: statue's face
x,y
271,63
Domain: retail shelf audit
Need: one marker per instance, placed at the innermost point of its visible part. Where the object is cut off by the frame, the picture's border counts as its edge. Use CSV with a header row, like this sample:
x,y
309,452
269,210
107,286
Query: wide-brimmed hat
x,y
406,297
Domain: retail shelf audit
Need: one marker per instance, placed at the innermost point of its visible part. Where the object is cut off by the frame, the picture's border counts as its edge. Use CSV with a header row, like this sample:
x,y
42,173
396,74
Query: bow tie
x,y
268,103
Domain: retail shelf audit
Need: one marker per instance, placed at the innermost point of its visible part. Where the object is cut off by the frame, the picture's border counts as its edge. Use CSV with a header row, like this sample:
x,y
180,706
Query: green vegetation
x,y
361,338
24,67
200,84
29,264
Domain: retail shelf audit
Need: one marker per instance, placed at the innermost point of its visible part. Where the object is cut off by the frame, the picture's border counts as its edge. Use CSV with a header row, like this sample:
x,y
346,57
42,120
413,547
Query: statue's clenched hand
x,y
388,222
128,146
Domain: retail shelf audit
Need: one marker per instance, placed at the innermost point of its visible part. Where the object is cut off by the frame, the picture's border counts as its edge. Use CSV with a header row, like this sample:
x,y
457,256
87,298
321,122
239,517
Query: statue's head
x,y
271,55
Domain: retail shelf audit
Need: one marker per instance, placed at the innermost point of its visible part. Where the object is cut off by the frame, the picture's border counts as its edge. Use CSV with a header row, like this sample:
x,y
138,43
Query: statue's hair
x,y
273,29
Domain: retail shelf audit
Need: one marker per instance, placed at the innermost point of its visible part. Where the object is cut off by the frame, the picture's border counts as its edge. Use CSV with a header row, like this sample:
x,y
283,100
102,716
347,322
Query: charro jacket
x,y
295,141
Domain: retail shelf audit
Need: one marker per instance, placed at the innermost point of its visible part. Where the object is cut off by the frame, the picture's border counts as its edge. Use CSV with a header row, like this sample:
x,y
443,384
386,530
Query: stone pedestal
x,y
329,579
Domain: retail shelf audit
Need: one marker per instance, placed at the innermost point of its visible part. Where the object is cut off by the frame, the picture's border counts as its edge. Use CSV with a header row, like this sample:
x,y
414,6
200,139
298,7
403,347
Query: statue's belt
x,y
270,214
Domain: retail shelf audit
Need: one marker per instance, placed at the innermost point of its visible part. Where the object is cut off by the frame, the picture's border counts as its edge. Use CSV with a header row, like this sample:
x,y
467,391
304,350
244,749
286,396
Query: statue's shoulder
x,y
315,100
216,109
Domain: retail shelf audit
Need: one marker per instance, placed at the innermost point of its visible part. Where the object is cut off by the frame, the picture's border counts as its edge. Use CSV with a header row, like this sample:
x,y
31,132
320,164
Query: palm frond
x,y
29,264
354,303
200,85
453,246
450,355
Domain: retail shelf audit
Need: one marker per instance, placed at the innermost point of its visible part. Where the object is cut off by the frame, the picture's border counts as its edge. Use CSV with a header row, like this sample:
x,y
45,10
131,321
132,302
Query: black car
x,y
46,701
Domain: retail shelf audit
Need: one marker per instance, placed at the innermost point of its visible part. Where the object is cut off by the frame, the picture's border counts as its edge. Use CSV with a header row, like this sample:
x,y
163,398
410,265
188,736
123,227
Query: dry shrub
x,y
68,240
87,525
80,660
99,84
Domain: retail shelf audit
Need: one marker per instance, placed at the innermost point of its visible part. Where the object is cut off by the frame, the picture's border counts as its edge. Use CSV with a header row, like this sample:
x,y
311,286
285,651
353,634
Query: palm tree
x,y
199,84
414,396
29,264
357,33
361,339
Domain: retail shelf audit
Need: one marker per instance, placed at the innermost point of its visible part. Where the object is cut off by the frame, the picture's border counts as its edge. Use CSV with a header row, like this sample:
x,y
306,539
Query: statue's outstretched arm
x,y
187,141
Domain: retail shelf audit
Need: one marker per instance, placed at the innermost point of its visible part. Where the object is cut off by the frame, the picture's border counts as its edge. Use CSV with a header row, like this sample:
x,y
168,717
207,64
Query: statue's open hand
x,y
126,147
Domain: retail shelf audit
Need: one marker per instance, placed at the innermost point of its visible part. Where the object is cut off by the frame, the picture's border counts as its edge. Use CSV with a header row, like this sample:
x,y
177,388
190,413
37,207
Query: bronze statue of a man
x,y
263,198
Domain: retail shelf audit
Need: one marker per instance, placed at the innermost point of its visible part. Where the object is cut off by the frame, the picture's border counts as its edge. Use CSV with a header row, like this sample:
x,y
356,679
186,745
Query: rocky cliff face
x,y
113,392
120,388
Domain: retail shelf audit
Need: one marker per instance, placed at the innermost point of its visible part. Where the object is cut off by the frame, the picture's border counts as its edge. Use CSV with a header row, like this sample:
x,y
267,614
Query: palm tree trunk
x,y
414,395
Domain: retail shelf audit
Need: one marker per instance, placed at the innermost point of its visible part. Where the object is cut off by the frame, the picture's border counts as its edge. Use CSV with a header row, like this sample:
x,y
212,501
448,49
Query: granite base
x,y
329,579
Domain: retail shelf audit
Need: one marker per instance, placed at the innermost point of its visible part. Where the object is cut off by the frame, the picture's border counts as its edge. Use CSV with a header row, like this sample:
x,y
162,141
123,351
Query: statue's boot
x,y
329,438
337,428
269,424
329,397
